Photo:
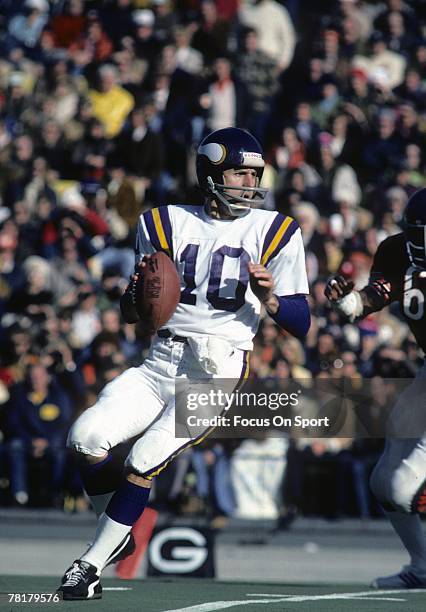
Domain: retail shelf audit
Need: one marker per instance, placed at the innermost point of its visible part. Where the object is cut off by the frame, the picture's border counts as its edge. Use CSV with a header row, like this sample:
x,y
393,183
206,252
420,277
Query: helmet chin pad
x,y
236,205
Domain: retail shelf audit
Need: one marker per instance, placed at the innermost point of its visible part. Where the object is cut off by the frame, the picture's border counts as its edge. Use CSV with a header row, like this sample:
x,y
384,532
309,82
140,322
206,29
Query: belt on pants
x,y
166,333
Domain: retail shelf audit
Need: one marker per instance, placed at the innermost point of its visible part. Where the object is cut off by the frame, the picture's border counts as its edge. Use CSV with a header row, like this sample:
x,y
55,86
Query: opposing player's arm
x,y
358,304
373,297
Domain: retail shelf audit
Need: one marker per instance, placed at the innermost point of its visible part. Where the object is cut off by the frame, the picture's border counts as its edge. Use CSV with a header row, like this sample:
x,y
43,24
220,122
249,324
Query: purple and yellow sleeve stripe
x,y
278,235
159,228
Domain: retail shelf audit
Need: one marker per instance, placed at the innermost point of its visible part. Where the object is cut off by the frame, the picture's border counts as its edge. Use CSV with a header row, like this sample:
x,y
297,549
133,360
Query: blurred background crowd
x,y
102,105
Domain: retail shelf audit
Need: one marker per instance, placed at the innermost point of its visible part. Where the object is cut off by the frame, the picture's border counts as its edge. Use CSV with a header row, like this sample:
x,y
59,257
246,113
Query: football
x,y
157,291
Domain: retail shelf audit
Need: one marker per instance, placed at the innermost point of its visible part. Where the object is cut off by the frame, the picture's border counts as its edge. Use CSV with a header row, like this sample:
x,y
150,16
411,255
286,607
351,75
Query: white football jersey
x,y
212,258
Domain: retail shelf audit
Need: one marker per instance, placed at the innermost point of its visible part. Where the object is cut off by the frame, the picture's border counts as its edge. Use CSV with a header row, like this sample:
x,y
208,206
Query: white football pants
x,y
141,402
401,470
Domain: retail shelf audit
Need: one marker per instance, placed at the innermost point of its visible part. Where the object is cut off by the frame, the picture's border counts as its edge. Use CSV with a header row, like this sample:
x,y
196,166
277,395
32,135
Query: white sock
x,y
410,530
108,536
100,502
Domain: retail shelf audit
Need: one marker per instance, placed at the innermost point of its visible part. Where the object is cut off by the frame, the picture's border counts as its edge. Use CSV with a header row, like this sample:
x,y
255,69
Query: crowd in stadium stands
x,y
102,105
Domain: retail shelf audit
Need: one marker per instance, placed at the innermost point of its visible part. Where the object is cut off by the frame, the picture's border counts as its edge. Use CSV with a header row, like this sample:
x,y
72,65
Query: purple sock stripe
x,y
127,503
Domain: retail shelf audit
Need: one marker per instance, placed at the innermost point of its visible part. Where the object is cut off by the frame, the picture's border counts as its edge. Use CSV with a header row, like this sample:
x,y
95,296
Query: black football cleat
x,y
81,581
126,548
408,578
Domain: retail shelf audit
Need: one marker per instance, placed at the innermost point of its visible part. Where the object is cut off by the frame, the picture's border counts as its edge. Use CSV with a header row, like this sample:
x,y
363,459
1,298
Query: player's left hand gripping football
x,y
261,282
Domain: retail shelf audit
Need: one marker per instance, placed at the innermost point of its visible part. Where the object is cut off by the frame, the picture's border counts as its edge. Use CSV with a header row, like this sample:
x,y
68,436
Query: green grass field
x,y
184,595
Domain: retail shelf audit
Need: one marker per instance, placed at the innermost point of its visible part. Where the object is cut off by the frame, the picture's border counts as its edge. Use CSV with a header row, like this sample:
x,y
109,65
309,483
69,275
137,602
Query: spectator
x,y
398,38
68,27
106,361
12,276
384,149
211,464
226,99
140,152
111,103
384,67
146,45
211,33
187,57
133,71
306,128
415,165
37,421
165,19
86,320
382,21
116,18
412,89
258,73
53,148
275,30
90,154
93,43
26,27
308,218
291,152
329,103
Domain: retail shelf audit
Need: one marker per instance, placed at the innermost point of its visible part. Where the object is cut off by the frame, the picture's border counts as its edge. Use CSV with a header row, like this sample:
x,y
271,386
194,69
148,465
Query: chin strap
x,y
237,206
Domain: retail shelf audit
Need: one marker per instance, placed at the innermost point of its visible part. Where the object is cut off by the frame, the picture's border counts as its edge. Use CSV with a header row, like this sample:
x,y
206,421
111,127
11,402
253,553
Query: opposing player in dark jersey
x,y
398,274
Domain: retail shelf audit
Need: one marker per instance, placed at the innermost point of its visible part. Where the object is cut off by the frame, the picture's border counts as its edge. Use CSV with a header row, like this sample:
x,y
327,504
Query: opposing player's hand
x,y
261,282
337,287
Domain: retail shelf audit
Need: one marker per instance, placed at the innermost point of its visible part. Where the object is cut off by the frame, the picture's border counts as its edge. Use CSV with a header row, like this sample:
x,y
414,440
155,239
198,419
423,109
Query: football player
x,y
398,274
232,258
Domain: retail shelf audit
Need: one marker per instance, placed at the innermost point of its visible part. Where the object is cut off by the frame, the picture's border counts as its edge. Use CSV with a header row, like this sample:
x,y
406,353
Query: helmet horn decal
x,y
214,151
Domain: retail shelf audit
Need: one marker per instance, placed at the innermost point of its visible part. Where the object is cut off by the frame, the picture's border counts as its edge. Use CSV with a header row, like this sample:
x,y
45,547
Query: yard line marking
x,y
370,595
354,595
266,595
360,595
376,598
211,606
118,588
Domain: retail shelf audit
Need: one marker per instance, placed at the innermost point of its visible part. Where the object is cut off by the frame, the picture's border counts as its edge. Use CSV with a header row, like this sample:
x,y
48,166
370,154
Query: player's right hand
x,y
337,287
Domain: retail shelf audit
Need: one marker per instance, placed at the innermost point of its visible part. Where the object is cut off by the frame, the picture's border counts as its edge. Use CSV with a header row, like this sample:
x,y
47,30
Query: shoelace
x,y
74,575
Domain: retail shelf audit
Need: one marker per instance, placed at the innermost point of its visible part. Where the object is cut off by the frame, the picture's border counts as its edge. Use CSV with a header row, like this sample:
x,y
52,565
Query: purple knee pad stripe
x,y
127,503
